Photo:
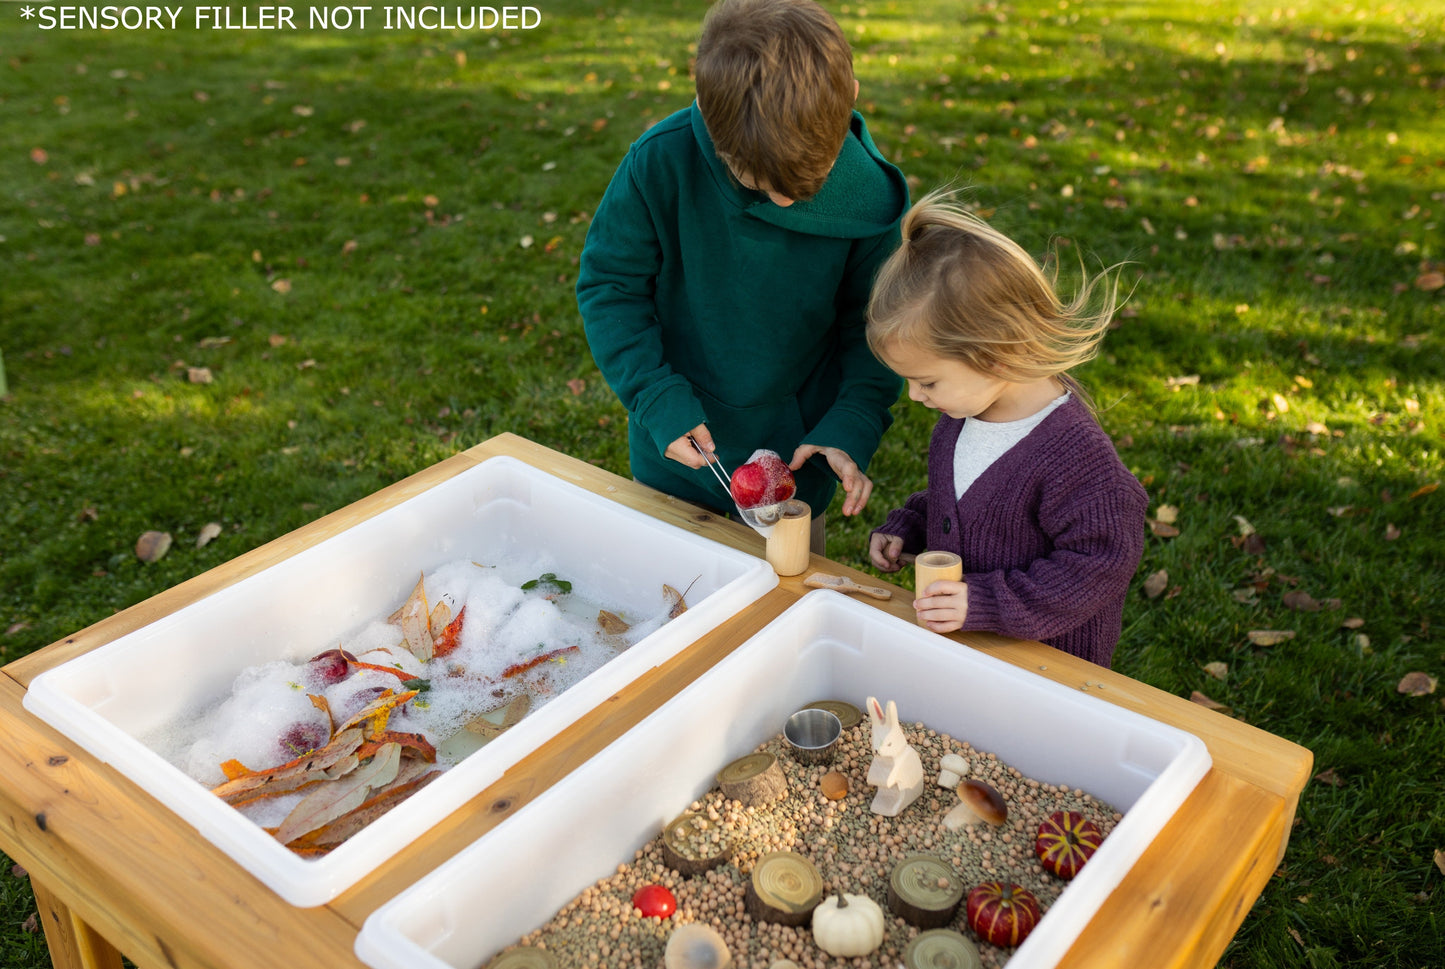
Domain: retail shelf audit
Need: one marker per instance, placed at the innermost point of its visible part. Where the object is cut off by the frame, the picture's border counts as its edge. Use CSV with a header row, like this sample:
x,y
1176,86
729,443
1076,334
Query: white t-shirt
x,y
981,443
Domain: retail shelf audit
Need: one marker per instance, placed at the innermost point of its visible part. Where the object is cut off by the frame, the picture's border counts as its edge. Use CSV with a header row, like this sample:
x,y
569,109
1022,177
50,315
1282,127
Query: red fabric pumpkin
x,y
1002,913
1066,840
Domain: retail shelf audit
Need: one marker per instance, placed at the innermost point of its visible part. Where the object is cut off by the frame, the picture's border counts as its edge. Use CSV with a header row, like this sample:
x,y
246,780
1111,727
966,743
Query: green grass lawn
x,y
251,277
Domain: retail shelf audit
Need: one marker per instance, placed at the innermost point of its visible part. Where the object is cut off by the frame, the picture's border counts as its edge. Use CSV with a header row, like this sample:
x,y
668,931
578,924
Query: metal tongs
x,y
760,519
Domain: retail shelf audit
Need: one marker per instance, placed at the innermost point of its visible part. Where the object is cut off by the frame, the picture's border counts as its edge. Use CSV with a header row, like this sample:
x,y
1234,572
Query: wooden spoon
x,y
841,583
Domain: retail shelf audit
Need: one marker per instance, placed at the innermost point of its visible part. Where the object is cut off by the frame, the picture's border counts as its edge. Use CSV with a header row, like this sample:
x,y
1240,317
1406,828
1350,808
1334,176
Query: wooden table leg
x,y
73,944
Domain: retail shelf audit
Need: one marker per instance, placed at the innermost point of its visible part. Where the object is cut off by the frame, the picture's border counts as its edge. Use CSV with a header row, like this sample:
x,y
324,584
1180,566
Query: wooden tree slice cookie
x,y
754,780
848,715
524,957
785,888
941,949
923,890
688,847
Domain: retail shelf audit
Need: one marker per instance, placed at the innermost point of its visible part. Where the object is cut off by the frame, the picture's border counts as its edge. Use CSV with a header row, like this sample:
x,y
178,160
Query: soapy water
x,y
268,718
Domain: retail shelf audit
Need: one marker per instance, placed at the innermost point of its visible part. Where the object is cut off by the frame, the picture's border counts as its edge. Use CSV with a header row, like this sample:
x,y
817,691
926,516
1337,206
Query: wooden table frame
x,y
115,871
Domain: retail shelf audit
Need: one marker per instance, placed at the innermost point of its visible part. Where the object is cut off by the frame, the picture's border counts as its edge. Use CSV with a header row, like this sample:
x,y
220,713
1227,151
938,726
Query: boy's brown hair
x,y
775,87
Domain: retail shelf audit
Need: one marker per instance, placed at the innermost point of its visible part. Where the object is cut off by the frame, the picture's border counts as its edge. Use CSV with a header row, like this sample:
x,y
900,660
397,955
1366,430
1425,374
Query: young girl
x,y
1022,481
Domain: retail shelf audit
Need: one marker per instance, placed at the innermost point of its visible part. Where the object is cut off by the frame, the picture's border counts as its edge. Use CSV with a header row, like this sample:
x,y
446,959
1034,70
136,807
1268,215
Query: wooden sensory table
x,y
116,872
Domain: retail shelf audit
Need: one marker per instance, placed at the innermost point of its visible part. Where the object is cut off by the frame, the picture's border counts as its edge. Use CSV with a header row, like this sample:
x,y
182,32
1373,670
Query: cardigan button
x,y
947,525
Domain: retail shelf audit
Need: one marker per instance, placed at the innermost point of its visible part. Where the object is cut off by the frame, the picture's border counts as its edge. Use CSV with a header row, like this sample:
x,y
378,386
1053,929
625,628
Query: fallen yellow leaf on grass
x,y
152,545
1269,637
1217,669
1156,583
1416,684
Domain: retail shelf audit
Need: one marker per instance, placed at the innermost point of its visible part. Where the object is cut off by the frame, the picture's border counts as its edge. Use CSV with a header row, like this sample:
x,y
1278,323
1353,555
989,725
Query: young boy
x,y
725,278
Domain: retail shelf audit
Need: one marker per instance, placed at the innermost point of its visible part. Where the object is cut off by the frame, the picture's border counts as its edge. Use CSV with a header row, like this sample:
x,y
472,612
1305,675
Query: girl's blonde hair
x,y
959,288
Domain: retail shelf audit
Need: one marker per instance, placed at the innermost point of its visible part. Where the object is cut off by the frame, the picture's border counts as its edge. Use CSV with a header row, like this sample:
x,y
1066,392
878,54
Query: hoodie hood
x,y
848,206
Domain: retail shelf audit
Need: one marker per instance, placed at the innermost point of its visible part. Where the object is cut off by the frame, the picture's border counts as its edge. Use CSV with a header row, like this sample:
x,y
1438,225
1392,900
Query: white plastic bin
x,y
825,646
133,686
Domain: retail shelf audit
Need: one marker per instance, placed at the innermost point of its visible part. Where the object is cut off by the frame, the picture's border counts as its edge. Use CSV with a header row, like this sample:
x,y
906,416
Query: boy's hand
x,y
944,605
885,551
682,450
857,487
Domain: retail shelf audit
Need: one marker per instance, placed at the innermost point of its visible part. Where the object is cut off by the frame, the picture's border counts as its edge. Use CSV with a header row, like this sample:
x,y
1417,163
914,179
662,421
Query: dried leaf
x,y
1328,776
1428,282
152,545
671,595
1354,622
611,623
411,777
451,635
1392,532
1440,860
209,531
372,718
412,618
288,776
1269,637
1245,528
1168,514
441,615
1423,490
331,801
1217,669
1186,381
577,385
1163,530
39,156
1416,684
1156,583
1207,703
1301,601
494,721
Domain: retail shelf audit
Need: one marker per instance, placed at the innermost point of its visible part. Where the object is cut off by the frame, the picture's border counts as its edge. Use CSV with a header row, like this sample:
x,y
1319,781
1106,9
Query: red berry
x,y
654,902
764,480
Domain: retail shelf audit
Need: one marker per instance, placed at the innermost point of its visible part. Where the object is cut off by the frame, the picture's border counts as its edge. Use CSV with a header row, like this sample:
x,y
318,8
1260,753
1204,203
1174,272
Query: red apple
x,y
764,480
1066,840
1002,913
654,902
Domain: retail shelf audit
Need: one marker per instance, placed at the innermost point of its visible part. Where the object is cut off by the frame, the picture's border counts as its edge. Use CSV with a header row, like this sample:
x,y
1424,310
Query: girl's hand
x,y
857,487
682,450
885,551
943,606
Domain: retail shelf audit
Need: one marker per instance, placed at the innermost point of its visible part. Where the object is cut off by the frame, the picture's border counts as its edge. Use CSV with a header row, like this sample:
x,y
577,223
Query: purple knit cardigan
x,y
1050,534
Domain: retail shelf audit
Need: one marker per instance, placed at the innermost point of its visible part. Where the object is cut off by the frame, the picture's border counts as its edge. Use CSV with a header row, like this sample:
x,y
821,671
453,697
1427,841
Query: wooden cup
x,y
930,567
788,544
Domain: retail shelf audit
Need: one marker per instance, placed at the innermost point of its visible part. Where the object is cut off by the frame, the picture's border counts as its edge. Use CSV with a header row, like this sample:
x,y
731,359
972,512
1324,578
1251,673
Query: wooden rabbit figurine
x,y
897,770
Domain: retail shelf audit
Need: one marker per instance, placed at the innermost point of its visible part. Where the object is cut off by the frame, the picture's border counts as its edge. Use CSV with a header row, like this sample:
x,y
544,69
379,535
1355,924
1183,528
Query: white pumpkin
x,y
848,925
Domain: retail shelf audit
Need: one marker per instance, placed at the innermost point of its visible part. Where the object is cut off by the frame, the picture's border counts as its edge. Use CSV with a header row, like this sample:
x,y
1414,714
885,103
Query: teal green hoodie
x,y
705,303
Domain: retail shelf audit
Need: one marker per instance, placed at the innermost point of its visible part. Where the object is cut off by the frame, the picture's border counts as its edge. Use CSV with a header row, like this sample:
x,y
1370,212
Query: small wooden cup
x,y
930,567
788,544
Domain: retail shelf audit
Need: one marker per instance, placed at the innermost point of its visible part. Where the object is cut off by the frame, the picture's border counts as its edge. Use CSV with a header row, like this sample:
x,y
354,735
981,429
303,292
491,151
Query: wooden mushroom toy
x,y
696,946
848,925
951,768
977,802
